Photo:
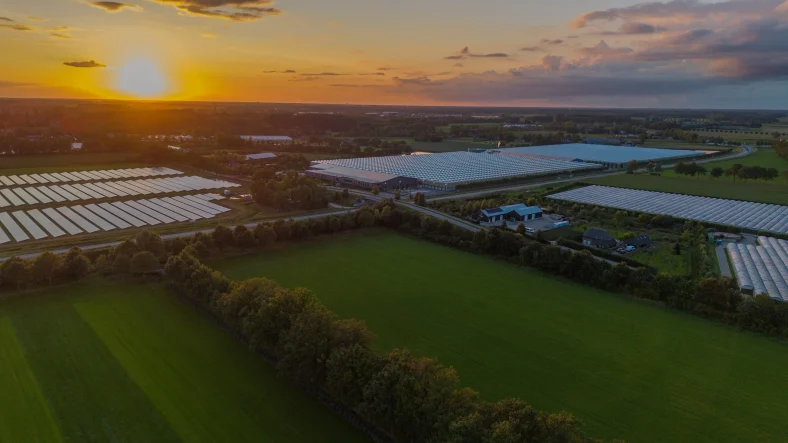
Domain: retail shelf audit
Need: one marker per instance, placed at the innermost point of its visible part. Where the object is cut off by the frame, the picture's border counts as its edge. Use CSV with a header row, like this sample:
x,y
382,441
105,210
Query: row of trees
x,y
403,397
290,191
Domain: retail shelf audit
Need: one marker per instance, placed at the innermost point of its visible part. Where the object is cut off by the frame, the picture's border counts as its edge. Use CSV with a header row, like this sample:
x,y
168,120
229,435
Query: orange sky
x,y
514,52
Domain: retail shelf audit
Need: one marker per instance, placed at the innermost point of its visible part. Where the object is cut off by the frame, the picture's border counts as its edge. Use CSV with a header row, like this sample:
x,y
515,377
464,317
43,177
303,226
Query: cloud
x,y
552,62
423,80
353,85
635,28
34,18
459,65
603,49
373,73
286,71
304,79
530,49
17,27
676,9
385,68
330,74
552,42
114,6
235,10
466,53
208,35
87,64
59,28
60,35
5,19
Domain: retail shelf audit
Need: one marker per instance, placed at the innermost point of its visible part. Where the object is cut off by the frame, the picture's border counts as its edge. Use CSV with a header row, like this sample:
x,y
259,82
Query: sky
x,y
570,53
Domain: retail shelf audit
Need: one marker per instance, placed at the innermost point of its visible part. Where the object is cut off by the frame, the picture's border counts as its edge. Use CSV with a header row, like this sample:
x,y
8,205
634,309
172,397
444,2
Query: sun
x,y
141,78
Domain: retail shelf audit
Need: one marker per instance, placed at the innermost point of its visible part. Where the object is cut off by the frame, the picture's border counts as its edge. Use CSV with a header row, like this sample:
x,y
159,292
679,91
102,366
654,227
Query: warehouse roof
x,y
267,138
602,153
520,208
459,167
355,174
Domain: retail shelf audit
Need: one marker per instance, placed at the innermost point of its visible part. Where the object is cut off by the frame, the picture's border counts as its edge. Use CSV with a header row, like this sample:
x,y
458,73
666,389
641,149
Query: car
x,y
530,230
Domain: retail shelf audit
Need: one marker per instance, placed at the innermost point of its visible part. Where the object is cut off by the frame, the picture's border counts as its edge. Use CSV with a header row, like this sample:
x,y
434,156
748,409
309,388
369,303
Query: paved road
x,y
483,192
184,234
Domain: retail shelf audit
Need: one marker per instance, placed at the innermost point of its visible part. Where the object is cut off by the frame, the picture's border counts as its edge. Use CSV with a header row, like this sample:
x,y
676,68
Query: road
x,y
483,192
722,259
184,234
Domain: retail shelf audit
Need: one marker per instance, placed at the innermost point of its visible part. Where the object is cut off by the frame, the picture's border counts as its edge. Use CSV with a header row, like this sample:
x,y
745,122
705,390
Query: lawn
x,y
628,369
111,362
765,157
67,162
757,191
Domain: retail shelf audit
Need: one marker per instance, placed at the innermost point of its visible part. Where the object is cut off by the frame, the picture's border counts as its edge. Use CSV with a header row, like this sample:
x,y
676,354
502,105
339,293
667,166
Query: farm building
x,y
446,171
599,238
761,269
261,156
360,178
272,139
511,213
615,157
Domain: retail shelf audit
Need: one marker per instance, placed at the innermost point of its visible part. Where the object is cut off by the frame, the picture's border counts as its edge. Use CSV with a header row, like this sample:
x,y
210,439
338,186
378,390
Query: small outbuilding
x,y
641,241
599,238
261,156
511,213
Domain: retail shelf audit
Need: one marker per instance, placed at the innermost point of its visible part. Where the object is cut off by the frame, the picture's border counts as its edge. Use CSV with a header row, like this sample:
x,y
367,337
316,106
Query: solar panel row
x,y
77,219
102,190
64,177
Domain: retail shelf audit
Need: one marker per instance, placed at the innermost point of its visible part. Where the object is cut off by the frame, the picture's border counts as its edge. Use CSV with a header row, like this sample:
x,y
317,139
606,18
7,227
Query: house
x,y
598,238
641,241
178,148
76,146
511,213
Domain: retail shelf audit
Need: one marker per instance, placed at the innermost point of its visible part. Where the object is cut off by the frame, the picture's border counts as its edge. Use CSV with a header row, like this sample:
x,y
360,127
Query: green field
x,y
628,369
112,362
756,191
764,157
446,145
67,162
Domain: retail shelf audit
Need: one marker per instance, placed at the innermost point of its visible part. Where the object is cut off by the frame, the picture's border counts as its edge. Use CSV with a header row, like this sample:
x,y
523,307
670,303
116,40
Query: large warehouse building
x,y
608,156
443,171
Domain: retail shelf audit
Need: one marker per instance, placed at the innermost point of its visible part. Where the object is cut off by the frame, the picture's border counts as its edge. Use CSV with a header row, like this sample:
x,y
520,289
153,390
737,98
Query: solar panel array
x,y
762,269
19,226
755,216
67,177
107,189
459,167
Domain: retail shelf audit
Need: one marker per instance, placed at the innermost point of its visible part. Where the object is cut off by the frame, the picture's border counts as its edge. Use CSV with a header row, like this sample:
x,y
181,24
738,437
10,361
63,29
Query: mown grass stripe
x,y
91,397
24,413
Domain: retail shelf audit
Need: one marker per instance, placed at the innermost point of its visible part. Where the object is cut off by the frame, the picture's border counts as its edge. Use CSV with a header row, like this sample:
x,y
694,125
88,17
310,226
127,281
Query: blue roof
x,y
520,209
602,153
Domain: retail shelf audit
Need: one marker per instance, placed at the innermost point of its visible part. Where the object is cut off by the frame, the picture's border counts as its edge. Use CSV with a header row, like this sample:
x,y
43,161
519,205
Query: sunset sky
x,y
611,53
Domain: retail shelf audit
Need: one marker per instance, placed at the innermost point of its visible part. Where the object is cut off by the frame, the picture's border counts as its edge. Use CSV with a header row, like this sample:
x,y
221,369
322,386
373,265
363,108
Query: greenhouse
x,y
741,214
610,156
761,269
447,170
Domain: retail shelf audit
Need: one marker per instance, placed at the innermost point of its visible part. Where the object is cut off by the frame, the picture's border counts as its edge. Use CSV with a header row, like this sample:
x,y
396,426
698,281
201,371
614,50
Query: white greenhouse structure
x,y
741,214
762,269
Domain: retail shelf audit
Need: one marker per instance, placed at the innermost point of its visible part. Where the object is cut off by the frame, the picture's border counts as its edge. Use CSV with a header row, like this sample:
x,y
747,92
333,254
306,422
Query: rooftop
x,y
601,153
260,156
520,209
459,167
356,174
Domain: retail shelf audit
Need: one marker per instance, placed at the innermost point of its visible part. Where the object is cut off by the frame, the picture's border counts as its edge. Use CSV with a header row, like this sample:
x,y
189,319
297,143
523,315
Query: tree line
x,y
289,191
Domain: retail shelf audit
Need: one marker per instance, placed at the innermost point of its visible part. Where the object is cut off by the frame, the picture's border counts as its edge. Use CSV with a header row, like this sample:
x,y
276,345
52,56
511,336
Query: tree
x,y
45,267
677,248
717,172
397,195
521,229
366,219
419,199
177,245
345,193
151,242
658,167
223,237
243,237
122,264
784,175
632,166
144,263
14,271
375,190
334,224
75,264
264,234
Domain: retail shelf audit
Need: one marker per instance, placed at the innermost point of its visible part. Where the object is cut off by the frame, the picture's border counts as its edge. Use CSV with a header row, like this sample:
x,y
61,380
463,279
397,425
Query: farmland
x,y
112,362
69,162
447,145
628,369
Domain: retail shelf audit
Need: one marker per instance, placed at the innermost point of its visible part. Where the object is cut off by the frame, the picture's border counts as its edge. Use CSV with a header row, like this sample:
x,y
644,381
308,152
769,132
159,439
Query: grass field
x,y
446,145
112,362
629,369
66,162
760,191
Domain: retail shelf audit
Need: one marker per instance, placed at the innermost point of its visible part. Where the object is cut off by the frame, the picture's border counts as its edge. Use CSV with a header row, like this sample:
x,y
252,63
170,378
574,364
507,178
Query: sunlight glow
x,y
141,78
